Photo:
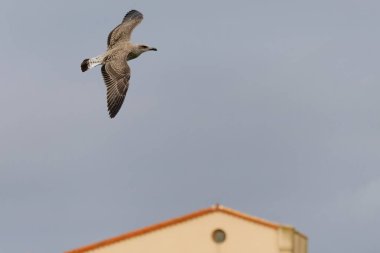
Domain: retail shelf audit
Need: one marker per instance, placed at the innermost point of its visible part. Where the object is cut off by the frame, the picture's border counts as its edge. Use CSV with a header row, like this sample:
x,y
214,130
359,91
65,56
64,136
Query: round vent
x,y
218,236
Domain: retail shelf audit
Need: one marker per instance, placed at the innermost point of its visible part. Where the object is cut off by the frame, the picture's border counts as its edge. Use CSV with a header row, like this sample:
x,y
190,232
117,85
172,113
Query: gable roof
x,y
174,221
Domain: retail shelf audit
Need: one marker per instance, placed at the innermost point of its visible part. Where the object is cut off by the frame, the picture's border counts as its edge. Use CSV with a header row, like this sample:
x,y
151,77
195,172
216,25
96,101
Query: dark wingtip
x,y
132,14
112,114
84,65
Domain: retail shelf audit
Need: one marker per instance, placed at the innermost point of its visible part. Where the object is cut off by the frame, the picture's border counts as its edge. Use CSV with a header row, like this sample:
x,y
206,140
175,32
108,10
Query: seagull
x,y
115,70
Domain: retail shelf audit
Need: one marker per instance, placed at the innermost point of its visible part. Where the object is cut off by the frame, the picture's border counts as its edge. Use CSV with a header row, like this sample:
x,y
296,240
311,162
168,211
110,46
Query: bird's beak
x,y
153,49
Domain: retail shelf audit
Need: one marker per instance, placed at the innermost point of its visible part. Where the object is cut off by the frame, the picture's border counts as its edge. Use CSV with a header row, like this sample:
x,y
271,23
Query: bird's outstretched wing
x,y
116,74
123,31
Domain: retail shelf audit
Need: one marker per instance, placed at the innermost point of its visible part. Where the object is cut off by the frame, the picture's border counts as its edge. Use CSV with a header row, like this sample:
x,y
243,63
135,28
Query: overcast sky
x,y
268,107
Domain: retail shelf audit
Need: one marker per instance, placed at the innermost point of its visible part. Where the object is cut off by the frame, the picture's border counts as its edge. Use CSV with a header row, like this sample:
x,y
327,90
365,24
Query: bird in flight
x,y
115,69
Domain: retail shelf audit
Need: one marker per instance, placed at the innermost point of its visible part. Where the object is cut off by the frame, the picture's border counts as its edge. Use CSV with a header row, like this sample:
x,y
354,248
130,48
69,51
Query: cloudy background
x,y
269,107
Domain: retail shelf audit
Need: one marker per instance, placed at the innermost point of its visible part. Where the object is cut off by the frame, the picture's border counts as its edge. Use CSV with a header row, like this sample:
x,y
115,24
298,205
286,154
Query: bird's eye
x,y
143,46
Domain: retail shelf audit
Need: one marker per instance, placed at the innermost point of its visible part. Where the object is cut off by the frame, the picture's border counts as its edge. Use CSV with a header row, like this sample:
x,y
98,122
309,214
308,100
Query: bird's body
x,y
115,69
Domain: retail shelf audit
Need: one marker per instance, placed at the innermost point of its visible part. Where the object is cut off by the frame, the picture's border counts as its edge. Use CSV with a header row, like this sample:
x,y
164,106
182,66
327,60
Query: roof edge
x,y
246,216
174,221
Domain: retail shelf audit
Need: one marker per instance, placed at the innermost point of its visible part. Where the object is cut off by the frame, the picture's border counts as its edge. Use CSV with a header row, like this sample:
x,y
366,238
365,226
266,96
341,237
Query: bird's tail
x,y
90,63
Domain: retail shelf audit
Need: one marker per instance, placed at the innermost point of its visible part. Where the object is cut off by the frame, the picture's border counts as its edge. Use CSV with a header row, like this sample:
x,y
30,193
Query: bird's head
x,y
145,48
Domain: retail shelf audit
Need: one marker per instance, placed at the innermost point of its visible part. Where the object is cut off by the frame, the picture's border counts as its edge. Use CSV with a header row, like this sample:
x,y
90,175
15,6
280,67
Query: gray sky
x,y
268,107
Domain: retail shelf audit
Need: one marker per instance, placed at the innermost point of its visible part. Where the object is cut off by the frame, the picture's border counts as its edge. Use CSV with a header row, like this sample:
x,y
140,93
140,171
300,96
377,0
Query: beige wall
x,y
291,241
194,236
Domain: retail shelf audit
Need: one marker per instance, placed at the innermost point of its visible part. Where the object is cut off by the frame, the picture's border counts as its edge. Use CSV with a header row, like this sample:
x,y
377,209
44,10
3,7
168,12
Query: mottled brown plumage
x,y
115,70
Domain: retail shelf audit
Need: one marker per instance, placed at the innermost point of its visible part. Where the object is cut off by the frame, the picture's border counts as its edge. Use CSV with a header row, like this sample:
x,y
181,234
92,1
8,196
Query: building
x,y
216,229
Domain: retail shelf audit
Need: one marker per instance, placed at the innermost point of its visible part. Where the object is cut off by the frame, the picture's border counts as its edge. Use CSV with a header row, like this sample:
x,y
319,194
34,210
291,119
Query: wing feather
x,y
116,75
123,31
